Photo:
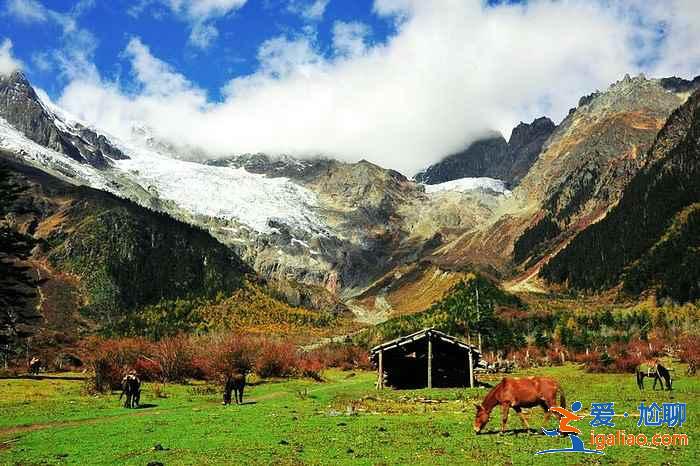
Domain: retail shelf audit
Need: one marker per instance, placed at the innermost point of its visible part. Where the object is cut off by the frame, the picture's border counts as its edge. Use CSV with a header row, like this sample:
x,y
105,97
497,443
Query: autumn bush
x,y
212,357
342,356
220,356
276,359
174,357
690,350
110,359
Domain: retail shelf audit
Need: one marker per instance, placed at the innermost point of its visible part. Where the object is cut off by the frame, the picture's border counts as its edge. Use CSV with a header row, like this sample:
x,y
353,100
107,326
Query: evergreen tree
x,y
17,285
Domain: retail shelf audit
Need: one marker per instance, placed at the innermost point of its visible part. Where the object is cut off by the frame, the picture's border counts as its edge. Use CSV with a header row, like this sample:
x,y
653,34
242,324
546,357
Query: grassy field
x,y
343,420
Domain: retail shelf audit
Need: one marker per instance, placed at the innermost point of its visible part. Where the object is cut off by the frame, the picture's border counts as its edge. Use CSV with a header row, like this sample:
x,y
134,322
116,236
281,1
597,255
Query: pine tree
x,y
17,285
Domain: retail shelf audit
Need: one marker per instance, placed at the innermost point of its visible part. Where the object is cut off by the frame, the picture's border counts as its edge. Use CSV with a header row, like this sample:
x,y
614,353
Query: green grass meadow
x,y
342,420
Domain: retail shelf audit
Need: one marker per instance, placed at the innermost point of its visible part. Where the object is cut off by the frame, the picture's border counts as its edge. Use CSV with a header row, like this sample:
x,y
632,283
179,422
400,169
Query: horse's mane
x,y
491,399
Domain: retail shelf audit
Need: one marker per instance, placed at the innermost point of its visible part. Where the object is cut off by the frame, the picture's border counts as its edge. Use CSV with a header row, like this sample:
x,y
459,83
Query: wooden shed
x,y
428,358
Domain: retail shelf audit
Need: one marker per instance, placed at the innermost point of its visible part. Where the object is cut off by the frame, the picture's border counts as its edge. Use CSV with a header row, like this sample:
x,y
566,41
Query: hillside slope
x,y
106,256
650,239
578,177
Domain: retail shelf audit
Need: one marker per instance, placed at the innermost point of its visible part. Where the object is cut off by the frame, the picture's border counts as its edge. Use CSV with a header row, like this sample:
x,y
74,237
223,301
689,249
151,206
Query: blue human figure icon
x,y
577,445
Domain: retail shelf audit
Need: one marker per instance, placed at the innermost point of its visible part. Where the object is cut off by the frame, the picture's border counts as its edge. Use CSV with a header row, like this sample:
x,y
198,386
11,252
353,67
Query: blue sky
x,y
401,83
232,53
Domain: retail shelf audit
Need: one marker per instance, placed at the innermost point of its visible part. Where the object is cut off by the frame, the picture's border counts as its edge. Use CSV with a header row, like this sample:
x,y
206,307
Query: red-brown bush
x,y
345,357
221,356
175,357
690,350
111,359
276,359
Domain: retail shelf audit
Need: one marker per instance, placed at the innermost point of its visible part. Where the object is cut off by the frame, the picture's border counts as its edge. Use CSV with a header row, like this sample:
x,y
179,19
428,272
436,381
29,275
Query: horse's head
x,y
481,419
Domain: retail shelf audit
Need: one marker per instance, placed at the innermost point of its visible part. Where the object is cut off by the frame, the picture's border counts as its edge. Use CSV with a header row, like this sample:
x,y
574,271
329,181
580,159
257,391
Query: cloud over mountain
x,y
453,70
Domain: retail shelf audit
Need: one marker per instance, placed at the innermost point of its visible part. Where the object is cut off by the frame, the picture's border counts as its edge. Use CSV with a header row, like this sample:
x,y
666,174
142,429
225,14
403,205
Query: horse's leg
x,y
547,413
241,394
522,416
640,380
657,379
504,416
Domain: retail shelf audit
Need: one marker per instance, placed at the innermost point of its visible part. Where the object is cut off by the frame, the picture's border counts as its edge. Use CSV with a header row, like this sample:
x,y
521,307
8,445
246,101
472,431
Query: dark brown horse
x,y
131,387
656,371
236,384
34,366
518,393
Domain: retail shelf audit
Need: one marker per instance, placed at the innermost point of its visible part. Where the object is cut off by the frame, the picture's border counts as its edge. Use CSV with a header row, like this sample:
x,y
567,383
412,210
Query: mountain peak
x,y
23,109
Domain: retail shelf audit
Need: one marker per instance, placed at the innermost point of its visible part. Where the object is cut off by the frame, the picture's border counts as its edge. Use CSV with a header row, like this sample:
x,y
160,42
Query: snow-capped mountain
x,y
319,222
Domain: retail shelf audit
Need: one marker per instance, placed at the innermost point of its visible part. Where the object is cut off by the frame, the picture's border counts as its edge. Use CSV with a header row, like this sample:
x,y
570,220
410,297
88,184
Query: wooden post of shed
x,y
380,375
430,361
471,369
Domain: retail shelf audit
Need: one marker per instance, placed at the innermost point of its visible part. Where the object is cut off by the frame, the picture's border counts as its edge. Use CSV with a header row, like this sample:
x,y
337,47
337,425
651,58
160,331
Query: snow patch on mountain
x,y
223,192
234,194
43,157
463,185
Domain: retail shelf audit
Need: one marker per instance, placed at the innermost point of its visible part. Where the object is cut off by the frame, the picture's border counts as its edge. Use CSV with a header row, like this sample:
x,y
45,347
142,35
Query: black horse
x,y
236,384
131,387
655,370
34,366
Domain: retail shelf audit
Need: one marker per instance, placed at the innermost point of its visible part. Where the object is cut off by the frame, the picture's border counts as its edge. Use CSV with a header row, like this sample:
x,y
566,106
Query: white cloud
x,y
75,57
205,9
29,11
452,71
156,77
8,63
199,14
42,61
311,10
203,34
349,38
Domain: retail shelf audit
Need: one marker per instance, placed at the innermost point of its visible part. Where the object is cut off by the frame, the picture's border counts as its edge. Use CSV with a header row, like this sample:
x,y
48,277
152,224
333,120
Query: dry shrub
x,y
221,356
212,357
111,359
528,357
148,368
690,350
175,358
587,359
345,357
627,363
619,357
276,359
311,366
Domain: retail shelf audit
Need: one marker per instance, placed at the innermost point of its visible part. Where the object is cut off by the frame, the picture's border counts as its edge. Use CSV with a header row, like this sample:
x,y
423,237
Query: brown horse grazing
x,y
518,393
236,384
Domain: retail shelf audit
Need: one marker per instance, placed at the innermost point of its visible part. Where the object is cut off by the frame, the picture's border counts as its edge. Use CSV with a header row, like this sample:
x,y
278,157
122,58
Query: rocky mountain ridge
x,y
323,230
493,156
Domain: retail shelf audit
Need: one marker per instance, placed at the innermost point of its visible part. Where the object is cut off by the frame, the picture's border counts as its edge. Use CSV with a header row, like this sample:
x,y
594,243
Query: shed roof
x,y
421,334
